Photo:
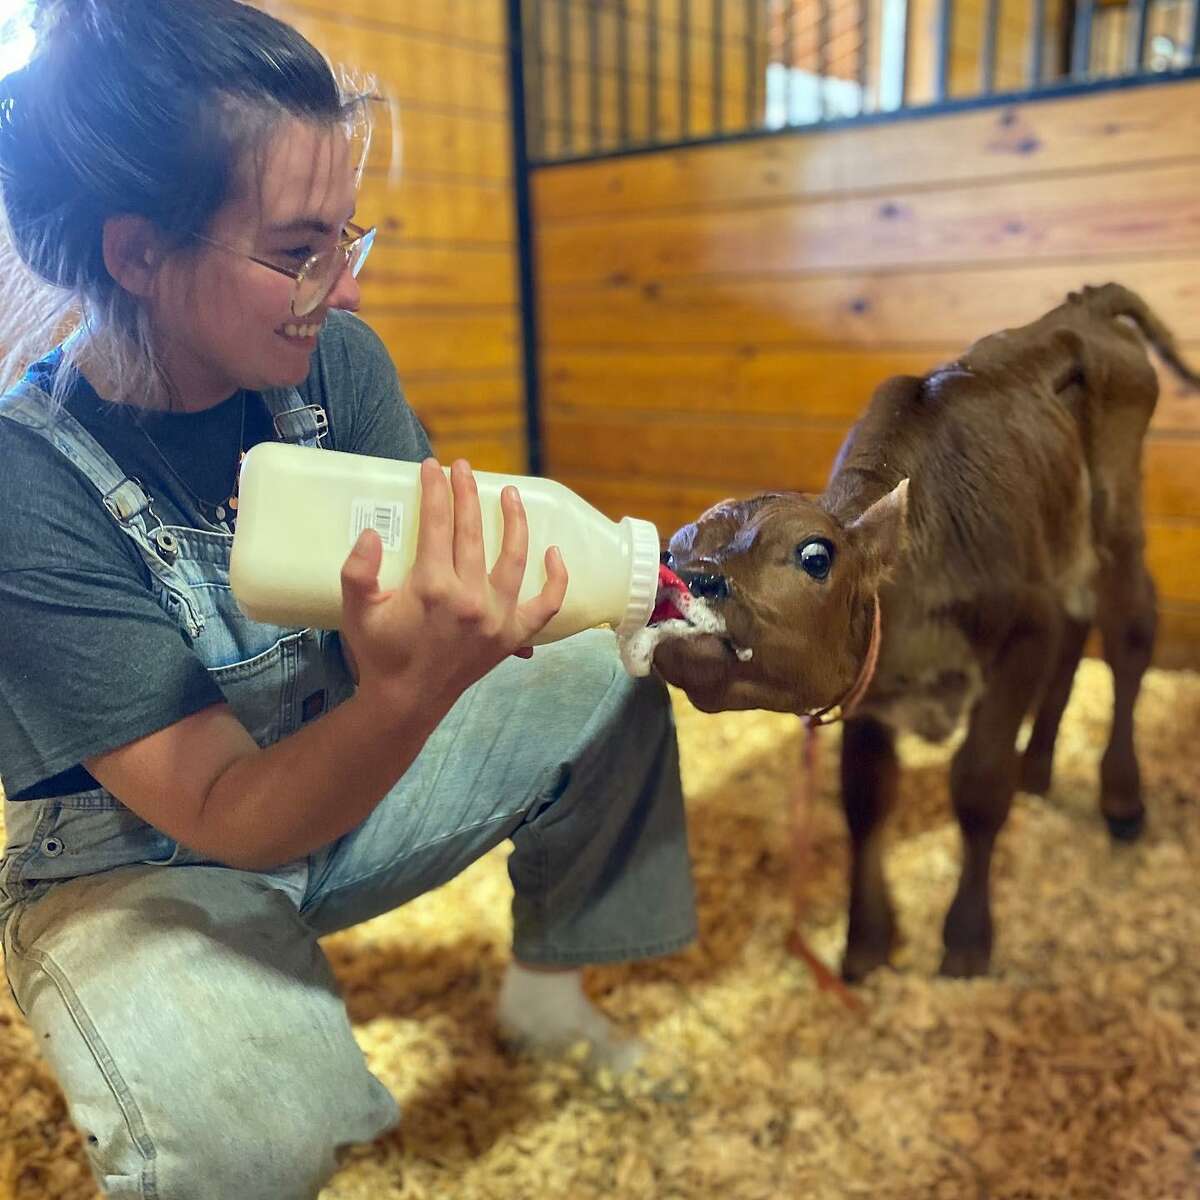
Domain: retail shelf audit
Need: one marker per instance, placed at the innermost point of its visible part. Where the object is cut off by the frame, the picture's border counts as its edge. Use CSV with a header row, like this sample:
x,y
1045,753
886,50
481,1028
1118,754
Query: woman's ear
x,y
133,252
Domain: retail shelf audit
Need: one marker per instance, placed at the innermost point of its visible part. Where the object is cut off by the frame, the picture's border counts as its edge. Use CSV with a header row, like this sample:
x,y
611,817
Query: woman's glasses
x,y
320,273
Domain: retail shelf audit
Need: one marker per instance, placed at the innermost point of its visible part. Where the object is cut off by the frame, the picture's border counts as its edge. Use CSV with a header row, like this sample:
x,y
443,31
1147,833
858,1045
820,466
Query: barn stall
x,y
665,260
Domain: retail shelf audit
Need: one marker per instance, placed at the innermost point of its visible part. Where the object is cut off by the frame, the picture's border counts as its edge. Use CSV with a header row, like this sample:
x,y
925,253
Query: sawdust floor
x,y
1072,1072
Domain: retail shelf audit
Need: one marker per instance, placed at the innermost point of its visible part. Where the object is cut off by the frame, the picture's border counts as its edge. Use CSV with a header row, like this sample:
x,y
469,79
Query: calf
x,y
990,513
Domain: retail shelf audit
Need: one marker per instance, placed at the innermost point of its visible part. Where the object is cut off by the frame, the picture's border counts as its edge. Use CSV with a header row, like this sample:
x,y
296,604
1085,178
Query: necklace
x,y
221,510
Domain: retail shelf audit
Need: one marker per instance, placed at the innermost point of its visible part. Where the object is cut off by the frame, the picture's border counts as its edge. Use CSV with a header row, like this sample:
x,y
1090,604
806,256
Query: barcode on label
x,y
385,518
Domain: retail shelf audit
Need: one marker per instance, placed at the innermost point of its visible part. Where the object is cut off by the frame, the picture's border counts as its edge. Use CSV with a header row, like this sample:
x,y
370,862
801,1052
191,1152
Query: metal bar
x,y
718,63
1193,40
911,117
752,67
1081,44
564,73
789,55
652,71
533,58
1137,35
863,69
685,46
525,263
622,75
987,53
594,116
822,55
1037,47
941,81
905,34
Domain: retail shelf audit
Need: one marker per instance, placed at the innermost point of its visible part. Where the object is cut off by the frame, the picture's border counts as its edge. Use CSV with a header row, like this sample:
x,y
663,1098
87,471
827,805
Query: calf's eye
x,y
815,558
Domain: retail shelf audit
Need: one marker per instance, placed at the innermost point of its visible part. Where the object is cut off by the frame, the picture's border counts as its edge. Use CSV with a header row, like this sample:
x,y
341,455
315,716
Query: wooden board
x,y
470,23
416,208
1132,126
820,384
1173,548
400,274
448,341
756,452
475,146
415,69
1033,219
488,395
872,309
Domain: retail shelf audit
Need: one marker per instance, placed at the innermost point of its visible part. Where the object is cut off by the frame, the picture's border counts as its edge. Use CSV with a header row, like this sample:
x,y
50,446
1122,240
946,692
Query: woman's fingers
x,y
360,574
436,527
508,573
535,613
469,562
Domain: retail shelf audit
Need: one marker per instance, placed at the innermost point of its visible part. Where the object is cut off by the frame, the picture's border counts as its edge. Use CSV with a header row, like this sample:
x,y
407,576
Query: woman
x,y
193,797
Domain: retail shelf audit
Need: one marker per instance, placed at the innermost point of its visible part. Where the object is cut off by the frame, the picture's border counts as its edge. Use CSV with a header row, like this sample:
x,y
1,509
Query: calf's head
x,y
795,588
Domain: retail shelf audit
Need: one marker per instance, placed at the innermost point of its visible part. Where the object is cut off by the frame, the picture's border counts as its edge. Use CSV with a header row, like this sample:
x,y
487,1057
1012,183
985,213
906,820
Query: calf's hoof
x,y
965,962
1126,829
864,955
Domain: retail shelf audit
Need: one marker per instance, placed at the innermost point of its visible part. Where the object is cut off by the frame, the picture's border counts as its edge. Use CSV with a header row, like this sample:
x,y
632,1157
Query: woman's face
x,y
225,322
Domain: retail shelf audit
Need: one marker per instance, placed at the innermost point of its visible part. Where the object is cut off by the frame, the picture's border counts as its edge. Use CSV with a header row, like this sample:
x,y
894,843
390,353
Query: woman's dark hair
x,y
144,107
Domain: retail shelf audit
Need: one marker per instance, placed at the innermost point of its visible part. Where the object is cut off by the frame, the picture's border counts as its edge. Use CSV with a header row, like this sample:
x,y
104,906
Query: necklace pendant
x,y
232,502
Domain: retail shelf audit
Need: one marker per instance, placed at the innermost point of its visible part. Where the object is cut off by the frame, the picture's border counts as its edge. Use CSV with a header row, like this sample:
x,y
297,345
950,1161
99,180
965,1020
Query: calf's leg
x,y
1038,761
983,777
1128,619
870,777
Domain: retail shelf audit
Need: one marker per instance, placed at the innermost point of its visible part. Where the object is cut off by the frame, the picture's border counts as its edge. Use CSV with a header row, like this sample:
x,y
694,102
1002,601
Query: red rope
x,y
803,799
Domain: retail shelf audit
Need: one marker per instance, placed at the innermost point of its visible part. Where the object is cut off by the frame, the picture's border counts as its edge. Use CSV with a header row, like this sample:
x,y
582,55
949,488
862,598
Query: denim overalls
x,y
274,678
186,1009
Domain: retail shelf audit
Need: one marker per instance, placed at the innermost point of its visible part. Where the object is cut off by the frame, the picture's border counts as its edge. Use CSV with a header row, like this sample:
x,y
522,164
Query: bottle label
x,y
386,518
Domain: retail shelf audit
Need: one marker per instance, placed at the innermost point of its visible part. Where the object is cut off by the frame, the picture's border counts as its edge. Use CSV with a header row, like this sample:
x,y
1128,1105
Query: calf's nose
x,y
706,585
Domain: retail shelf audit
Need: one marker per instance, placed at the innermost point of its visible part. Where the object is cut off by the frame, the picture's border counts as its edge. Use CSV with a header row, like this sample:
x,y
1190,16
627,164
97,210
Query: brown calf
x,y
994,509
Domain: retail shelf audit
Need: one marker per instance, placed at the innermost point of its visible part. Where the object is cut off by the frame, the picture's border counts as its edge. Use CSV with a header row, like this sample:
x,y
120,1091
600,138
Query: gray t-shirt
x,y
88,659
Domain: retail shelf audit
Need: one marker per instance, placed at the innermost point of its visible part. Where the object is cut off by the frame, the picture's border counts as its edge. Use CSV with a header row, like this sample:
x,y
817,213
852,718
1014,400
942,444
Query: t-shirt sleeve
x,y
88,659
371,415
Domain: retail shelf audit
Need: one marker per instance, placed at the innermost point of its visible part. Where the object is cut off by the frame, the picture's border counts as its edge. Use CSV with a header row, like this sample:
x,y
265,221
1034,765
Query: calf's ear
x,y
880,535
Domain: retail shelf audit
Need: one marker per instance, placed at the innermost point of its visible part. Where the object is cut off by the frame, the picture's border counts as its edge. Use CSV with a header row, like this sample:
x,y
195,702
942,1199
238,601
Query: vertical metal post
x,y
822,55
987,54
594,117
622,76
1081,47
652,71
789,55
752,67
524,217
945,44
718,64
1038,44
685,47
863,70
564,74
1137,35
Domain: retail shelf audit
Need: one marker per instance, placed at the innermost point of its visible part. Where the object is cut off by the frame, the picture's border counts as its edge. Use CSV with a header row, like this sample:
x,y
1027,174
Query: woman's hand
x,y
451,621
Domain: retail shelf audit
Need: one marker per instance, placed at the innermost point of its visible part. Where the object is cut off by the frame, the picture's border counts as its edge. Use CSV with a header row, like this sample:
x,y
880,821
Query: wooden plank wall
x,y
441,286
712,320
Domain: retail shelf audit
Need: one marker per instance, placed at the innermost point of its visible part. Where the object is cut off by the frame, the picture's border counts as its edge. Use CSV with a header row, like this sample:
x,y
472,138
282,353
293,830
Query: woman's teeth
x,y
301,331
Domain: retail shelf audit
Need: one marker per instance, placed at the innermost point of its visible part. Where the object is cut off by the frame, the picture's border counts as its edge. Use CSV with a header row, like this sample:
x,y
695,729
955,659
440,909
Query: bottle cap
x,y
643,575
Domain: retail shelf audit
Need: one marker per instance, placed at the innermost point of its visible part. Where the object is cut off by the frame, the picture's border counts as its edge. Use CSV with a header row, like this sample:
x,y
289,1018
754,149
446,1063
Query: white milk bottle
x,y
301,509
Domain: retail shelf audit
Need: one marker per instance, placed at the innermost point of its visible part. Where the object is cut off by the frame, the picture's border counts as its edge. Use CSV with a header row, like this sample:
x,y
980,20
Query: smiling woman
x,y
194,796
178,154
